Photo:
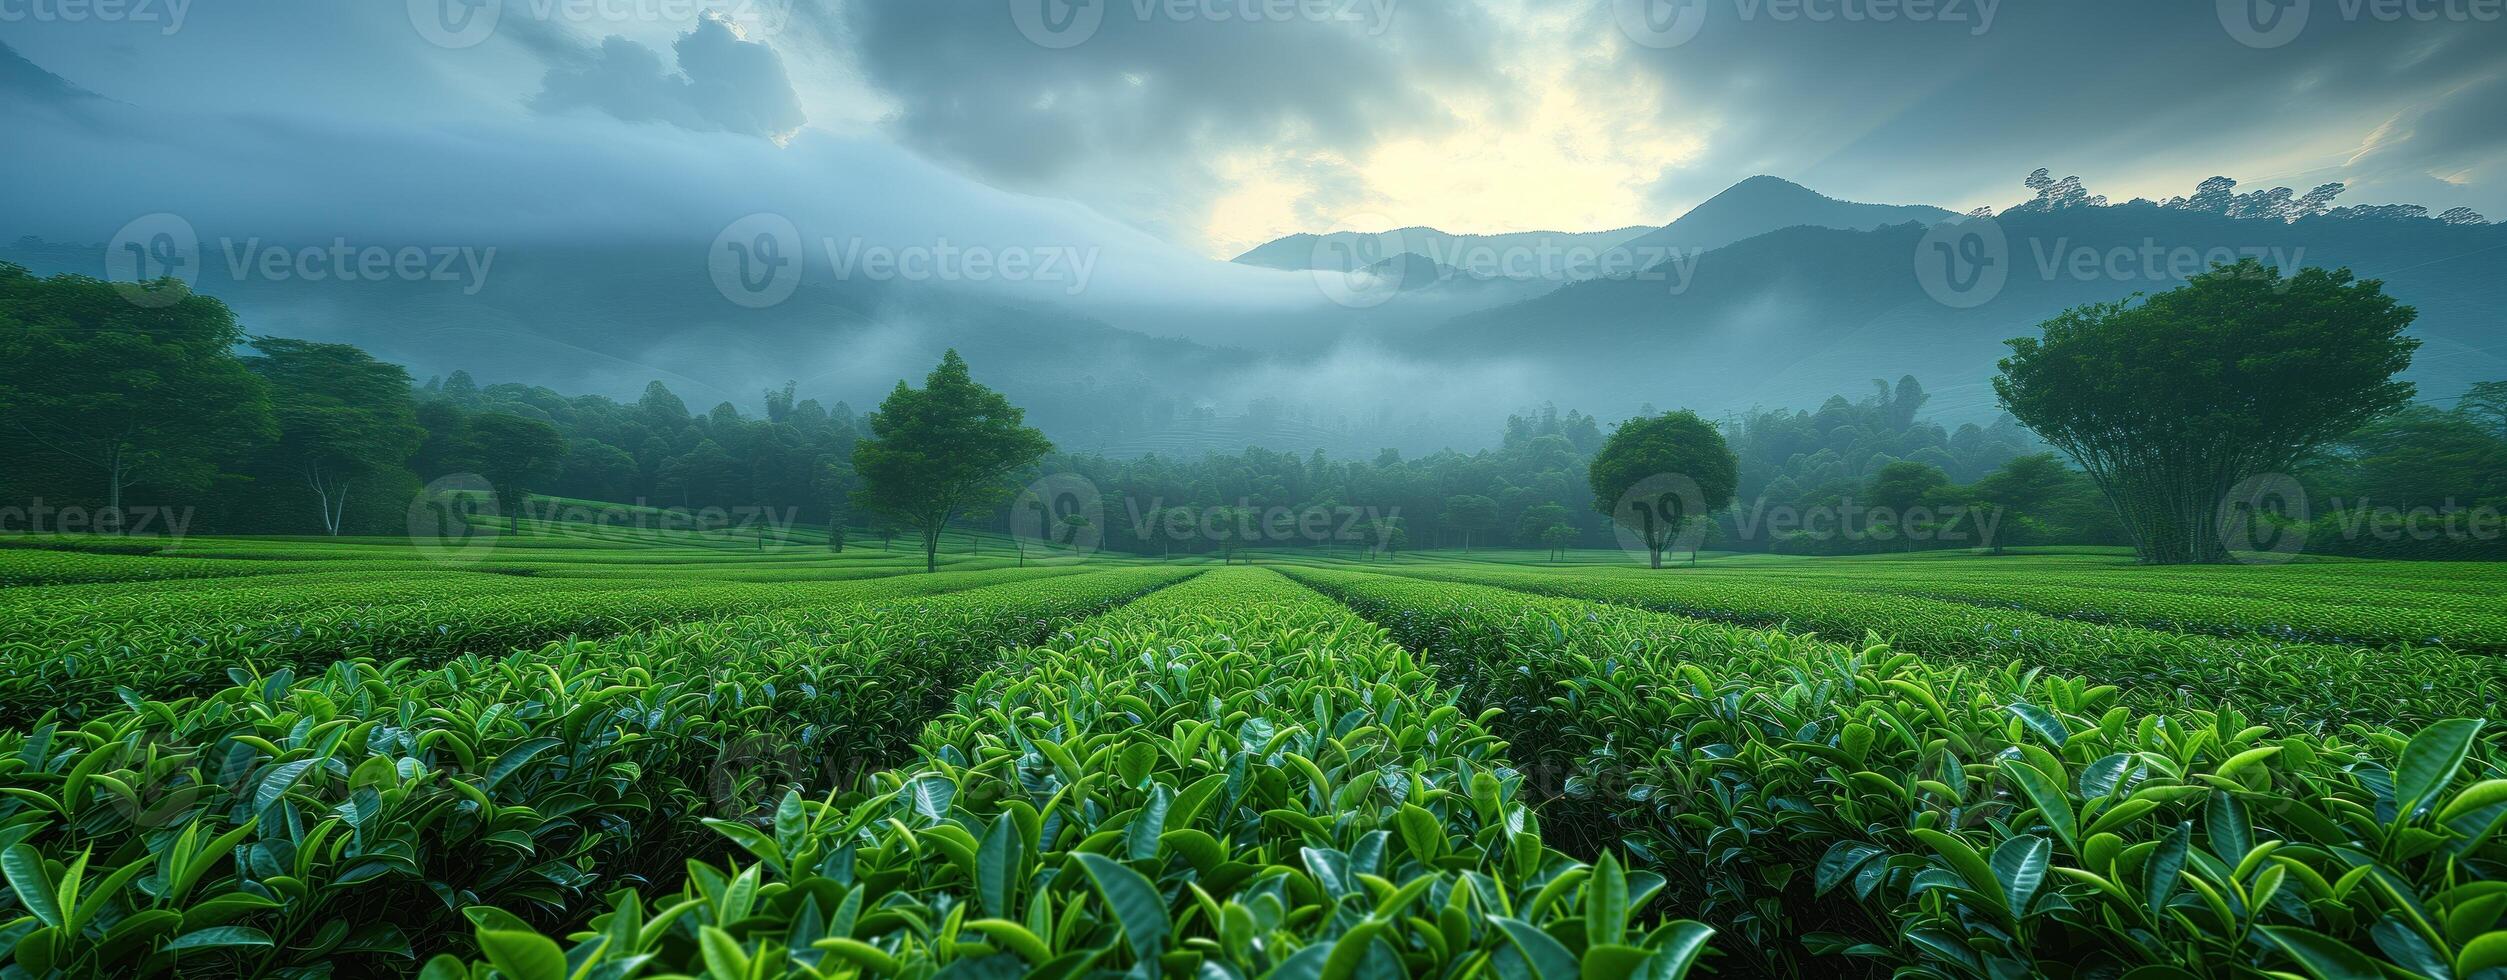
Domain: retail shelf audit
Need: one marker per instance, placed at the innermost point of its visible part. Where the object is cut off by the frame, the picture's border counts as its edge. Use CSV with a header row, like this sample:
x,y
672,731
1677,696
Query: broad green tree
x,y
1678,461
117,395
2171,404
516,455
341,414
942,451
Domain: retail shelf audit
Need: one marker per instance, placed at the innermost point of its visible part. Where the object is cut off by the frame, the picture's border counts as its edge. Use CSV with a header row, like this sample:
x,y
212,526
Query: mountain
x,y
1752,207
1789,317
1763,204
1552,256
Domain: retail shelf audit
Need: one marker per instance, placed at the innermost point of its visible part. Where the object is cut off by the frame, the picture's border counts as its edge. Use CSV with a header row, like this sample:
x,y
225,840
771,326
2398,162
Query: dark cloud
x,y
1926,109
1149,102
722,84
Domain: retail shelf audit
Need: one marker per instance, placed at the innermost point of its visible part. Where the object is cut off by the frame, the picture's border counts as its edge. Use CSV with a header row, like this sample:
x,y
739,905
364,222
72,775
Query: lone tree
x,y
2171,404
1657,474
942,451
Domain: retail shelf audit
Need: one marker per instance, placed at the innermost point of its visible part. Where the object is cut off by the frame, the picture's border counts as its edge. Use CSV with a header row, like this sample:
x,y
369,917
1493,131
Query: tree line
x,y
115,392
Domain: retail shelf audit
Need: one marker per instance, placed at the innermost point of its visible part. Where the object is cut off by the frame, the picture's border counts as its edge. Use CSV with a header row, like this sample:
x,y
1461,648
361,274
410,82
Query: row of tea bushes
x,y
1233,778
2313,687
76,664
285,824
1979,821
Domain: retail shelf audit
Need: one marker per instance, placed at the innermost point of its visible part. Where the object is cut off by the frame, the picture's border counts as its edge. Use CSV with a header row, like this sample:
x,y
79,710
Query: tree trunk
x,y
1657,554
931,551
113,490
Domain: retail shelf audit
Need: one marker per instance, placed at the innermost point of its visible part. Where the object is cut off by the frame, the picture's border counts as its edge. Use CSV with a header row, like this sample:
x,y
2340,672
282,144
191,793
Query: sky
x,y
1174,132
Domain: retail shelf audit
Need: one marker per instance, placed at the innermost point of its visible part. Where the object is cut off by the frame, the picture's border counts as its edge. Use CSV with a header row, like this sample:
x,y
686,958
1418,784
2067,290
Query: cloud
x,y
723,84
2140,97
2462,131
1148,117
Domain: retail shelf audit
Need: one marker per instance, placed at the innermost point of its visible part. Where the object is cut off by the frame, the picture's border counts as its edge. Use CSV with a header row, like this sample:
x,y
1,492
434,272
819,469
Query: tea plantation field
x,y
594,753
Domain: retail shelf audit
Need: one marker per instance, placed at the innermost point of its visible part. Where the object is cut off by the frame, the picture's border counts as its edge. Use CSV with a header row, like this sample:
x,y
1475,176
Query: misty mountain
x,y
1763,204
1553,256
1422,355
1787,317
1752,207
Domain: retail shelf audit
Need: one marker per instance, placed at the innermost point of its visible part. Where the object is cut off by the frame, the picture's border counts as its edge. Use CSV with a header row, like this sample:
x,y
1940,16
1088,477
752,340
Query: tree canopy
x,y
115,394
1677,463
2171,403
943,451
